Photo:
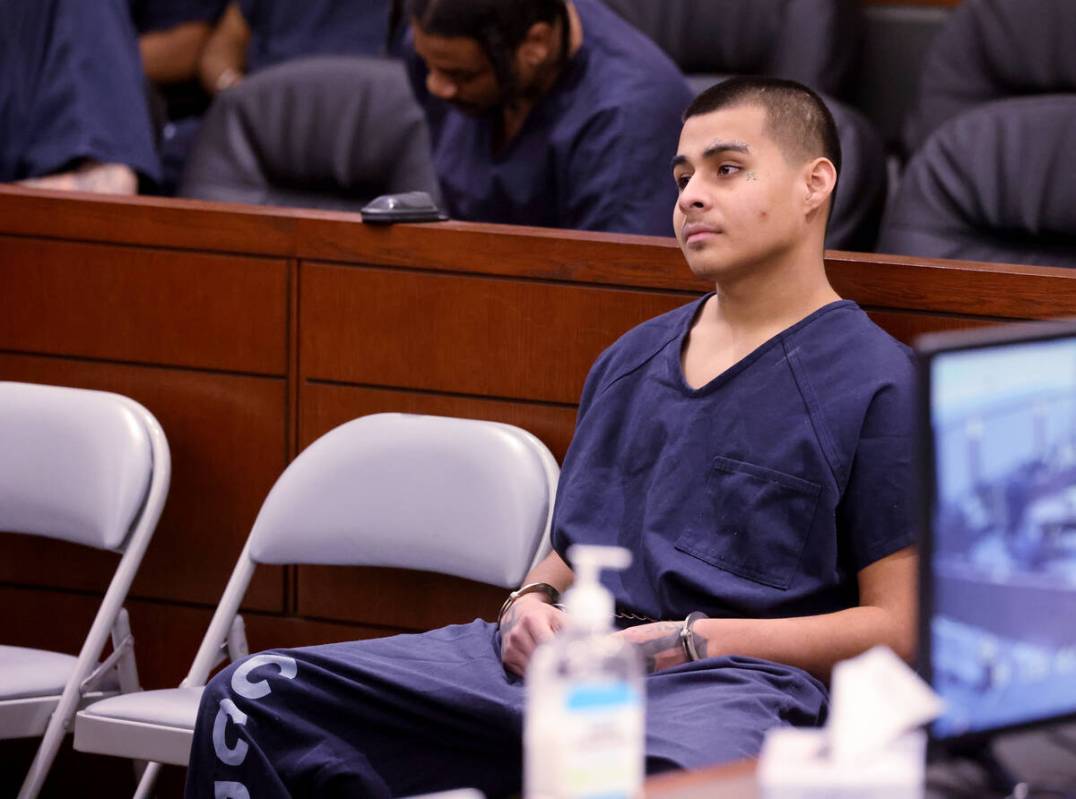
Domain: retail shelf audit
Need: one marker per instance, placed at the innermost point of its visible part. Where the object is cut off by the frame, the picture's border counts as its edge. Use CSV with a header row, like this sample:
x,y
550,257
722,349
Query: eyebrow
x,y
713,149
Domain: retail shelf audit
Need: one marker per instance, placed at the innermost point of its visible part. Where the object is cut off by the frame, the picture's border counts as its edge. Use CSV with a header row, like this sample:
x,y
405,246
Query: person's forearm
x,y
171,56
223,58
553,570
91,177
812,643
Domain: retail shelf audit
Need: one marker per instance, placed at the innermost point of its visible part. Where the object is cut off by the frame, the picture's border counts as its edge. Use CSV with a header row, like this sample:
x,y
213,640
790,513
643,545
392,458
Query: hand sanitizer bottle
x,y
584,725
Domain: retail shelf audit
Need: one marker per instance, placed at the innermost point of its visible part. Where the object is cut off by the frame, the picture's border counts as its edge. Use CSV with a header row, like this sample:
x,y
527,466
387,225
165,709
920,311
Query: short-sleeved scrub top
x,y
760,494
281,30
593,154
71,88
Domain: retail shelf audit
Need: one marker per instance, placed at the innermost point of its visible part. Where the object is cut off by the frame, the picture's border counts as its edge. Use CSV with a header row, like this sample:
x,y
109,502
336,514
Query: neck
x,y
771,299
515,115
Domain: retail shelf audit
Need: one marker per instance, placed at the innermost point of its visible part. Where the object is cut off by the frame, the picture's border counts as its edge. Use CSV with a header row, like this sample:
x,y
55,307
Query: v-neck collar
x,y
674,354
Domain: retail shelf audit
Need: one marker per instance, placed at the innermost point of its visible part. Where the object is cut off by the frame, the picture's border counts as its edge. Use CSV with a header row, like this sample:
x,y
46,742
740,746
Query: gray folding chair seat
x,y
91,468
151,725
456,496
326,132
815,42
38,672
992,50
993,184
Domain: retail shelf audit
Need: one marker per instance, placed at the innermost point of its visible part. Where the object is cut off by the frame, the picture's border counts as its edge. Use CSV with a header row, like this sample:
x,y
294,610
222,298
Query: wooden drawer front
x,y
461,334
149,306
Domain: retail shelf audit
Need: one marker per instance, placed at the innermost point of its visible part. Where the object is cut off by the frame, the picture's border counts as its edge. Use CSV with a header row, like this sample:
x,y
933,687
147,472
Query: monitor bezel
x,y
927,348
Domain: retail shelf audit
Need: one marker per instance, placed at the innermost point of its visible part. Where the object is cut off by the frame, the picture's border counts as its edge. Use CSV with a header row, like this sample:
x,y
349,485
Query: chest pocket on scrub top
x,y
759,525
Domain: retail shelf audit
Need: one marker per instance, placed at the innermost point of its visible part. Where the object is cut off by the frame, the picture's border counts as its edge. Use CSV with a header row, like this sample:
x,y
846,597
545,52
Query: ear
x,y
820,179
537,46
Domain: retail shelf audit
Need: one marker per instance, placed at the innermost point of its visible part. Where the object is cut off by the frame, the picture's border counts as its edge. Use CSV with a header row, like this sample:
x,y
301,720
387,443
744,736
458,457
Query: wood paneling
x,y
650,261
227,437
326,406
143,305
461,334
919,285
907,327
152,221
396,599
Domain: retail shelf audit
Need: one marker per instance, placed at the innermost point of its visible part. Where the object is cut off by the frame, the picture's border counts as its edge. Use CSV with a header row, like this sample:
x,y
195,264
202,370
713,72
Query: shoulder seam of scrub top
x,y
814,413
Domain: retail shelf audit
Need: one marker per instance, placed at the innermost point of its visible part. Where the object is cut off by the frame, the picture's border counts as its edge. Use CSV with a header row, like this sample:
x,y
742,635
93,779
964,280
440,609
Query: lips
x,y
697,231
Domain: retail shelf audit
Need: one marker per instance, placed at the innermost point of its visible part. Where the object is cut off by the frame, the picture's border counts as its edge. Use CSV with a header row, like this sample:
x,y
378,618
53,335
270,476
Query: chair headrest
x,y
991,50
328,131
812,41
991,185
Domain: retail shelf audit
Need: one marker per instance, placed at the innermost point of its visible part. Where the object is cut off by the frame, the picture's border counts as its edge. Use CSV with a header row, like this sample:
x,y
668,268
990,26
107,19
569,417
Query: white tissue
x,y
875,698
871,746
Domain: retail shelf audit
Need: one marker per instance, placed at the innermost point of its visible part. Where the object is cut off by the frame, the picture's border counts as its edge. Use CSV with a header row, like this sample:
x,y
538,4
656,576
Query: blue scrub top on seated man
x,y
71,89
281,30
156,15
593,152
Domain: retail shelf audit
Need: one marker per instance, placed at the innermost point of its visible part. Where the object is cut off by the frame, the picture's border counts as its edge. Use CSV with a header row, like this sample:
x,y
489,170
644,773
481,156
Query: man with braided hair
x,y
547,112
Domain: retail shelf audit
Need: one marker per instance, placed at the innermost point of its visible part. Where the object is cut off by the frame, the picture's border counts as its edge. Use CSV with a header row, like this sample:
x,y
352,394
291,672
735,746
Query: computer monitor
x,y
998,550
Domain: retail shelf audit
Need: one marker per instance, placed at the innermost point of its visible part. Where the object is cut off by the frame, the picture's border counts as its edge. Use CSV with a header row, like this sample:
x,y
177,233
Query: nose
x,y
692,196
440,86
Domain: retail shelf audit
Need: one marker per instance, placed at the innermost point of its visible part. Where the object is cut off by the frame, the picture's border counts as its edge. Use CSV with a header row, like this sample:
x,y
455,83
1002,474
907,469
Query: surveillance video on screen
x,y
1003,627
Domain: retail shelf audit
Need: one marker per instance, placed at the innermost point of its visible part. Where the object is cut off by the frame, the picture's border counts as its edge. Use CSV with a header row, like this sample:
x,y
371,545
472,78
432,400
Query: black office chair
x,y
815,42
991,50
324,132
993,184
862,188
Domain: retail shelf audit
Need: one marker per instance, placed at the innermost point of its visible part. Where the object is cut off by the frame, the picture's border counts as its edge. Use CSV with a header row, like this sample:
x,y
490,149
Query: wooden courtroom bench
x,y
250,331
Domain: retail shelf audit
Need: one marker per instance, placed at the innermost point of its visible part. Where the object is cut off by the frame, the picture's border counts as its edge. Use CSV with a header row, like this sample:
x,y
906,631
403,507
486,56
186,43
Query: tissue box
x,y
795,764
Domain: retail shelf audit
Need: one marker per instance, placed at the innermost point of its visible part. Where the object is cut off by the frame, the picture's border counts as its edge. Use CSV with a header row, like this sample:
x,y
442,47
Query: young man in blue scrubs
x,y
554,113
752,448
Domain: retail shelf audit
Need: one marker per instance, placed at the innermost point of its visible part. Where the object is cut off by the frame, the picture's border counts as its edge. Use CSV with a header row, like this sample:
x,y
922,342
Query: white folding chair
x,y
456,496
92,468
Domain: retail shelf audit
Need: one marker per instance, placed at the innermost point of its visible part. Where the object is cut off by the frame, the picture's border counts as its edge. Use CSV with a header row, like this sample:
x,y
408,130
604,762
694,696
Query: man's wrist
x,y
688,639
548,593
227,78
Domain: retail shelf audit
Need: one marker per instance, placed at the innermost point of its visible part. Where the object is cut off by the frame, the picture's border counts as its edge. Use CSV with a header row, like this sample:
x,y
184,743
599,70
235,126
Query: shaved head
x,y
797,118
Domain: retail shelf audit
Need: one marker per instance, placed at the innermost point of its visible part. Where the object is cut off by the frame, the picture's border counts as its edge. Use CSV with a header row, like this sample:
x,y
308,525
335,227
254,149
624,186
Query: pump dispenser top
x,y
589,604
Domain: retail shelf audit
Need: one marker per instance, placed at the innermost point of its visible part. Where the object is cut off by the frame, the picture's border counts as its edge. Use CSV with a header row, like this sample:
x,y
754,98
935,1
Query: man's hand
x,y
658,642
530,621
89,176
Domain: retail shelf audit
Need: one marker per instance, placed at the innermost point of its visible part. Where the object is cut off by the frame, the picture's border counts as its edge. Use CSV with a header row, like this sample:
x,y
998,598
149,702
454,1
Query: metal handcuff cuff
x,y
529,588
687,638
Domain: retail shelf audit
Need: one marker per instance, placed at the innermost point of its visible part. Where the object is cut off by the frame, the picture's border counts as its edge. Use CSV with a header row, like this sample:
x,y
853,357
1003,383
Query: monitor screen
x,y
999,567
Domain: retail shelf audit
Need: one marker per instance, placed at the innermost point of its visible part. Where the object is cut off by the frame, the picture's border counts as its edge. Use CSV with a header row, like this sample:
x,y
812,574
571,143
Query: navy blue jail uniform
x,y
281,30
760,494
593,154
71,89
159,15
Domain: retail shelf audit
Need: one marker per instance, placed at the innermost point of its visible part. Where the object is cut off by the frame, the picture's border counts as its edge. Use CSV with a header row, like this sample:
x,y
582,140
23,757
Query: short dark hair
x,y
797,118
499,27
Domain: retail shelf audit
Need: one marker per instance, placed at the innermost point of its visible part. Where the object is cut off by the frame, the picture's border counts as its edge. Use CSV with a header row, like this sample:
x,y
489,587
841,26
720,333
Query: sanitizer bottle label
x,y
599,754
